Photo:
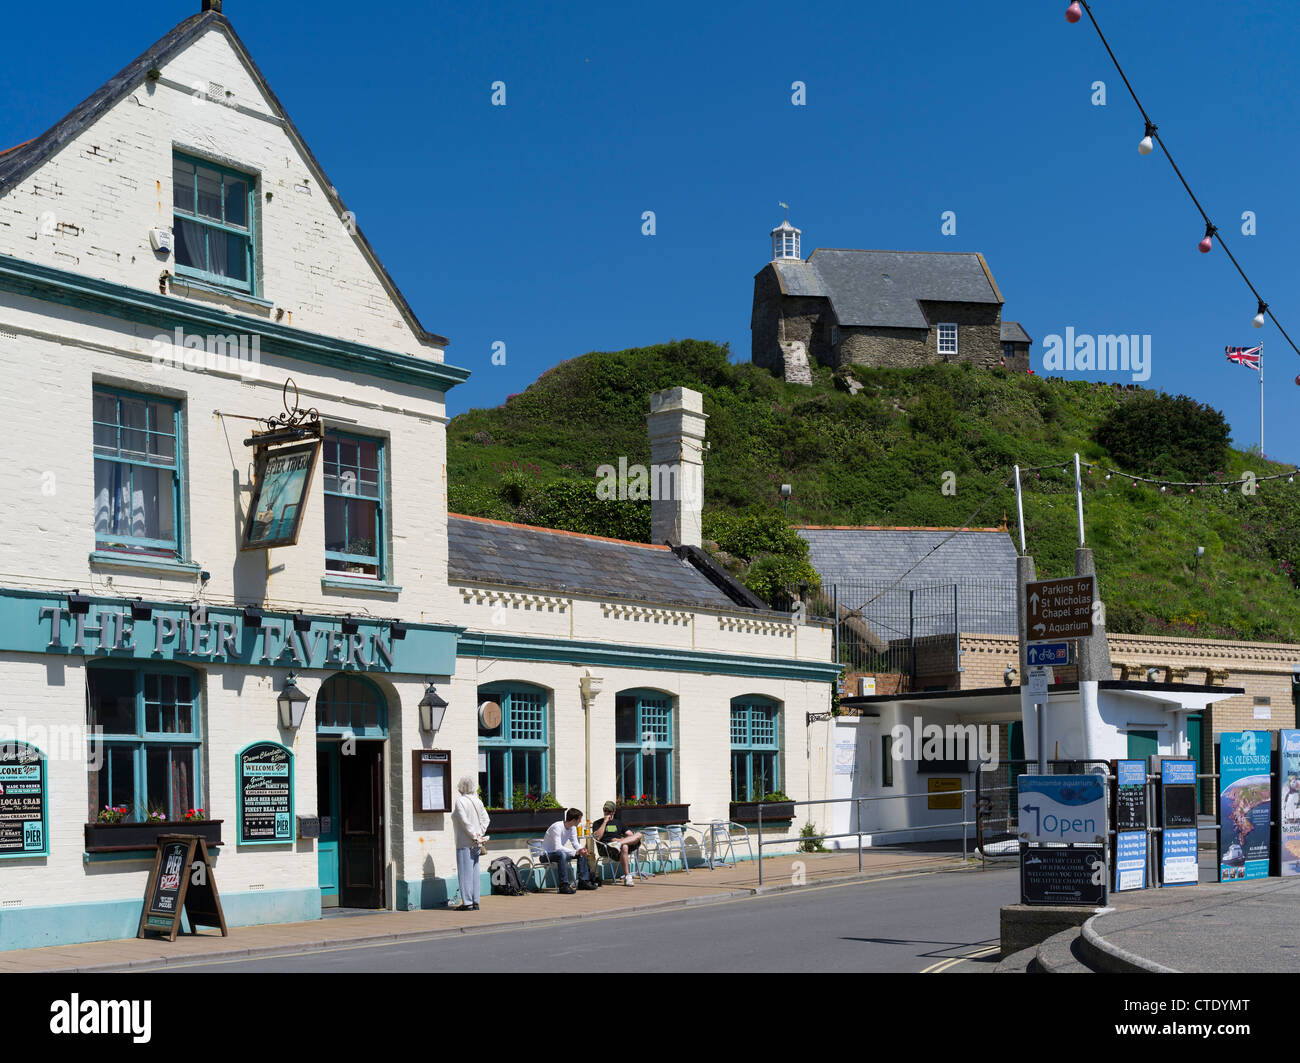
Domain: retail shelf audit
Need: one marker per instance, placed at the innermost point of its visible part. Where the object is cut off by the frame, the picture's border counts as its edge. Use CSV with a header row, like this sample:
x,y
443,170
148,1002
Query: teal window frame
x,y
521,740
756,734
648,759
145,738
136,545
358,695
248,232
334,496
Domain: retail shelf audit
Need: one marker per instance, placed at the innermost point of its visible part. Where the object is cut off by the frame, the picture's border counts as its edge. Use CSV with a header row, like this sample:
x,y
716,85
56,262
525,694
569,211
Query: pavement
x,y
1249,926
665,891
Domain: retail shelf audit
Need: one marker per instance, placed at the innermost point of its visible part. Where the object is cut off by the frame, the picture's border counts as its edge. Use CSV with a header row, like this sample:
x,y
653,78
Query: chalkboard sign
x,y
24,801
1130,795
1062,876
181,883
1178,793
264,778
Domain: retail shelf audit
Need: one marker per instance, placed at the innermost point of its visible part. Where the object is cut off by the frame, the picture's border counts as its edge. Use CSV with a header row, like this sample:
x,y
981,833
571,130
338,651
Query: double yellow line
x,y
952,961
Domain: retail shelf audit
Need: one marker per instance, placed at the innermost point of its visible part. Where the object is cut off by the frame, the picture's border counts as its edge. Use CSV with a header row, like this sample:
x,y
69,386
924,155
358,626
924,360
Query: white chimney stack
x,y
676,425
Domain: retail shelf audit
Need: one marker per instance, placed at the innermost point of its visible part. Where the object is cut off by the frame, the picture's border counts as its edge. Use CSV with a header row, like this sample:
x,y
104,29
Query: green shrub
x,y
1165,435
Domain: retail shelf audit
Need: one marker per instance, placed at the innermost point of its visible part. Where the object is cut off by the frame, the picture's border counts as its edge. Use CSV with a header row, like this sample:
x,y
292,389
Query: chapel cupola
x,y
785,241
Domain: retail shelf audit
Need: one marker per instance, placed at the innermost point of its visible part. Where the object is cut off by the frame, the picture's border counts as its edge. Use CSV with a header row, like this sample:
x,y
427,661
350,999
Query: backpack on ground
x,y
505,877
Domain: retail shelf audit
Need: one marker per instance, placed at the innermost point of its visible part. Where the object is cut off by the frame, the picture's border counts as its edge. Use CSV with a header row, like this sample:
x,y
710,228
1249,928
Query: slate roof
x,y
18,162
545,559
1013,333
864,561
885,288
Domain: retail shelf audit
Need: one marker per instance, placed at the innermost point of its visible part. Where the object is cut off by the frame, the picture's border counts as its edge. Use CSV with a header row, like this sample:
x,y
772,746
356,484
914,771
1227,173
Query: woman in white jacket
x,y
470,820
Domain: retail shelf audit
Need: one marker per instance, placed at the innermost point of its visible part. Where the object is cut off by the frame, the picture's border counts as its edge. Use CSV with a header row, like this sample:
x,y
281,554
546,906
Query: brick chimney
x,y
676,425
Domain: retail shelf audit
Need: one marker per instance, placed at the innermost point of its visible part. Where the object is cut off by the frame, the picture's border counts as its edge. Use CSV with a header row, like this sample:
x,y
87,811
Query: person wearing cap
x,y
614,840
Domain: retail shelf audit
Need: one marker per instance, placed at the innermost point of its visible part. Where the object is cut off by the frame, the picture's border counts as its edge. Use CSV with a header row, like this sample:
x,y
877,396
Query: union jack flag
x,y
1247,356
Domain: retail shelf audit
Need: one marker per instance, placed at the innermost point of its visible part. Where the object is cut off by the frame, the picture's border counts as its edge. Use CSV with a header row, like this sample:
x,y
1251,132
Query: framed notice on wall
x,y
24,801
264,781
431,770
281,481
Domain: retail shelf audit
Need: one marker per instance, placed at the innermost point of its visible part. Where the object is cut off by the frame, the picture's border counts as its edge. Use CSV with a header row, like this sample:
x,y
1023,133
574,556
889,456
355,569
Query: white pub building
x,y
236,606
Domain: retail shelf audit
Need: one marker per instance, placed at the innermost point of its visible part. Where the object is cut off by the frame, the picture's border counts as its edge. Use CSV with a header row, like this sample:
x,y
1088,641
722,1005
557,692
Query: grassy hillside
x,y
880,457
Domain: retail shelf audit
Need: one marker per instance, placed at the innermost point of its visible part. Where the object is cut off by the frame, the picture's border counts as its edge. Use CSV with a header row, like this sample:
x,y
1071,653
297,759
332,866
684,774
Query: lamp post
x,y
292,703
1196,564
432,710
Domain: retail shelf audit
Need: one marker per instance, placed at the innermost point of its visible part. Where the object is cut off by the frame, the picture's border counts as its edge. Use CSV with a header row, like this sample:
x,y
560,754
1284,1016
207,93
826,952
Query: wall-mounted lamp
x,y
78,602
252,616
140,611
1153,675
292,703
300,622
432,710
1009,676
350,626
397,629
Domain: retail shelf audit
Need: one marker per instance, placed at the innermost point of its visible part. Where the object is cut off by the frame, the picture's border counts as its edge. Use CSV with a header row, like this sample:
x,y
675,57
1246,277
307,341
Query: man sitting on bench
x,y
614,840
561,846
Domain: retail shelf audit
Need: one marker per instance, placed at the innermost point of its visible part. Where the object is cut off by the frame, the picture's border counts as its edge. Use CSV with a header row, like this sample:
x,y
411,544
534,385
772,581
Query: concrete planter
x,y
773,811
521,821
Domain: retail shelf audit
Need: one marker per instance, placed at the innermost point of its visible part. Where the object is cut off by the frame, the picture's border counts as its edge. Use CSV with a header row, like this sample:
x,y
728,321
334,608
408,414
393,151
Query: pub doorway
x,y
351,729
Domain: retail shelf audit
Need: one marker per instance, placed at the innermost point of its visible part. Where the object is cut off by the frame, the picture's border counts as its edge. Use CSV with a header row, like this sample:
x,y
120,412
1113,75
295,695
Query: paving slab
x,y
676,889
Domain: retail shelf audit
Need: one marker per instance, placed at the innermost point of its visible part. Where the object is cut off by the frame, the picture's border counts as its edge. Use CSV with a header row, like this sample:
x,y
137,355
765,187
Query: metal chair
x,y
720,838
649,852
673,839
539,861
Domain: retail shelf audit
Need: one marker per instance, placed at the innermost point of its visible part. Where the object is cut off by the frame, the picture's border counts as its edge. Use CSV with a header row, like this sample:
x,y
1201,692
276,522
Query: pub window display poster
x,y
23,801
280,488
1245,805
1289,747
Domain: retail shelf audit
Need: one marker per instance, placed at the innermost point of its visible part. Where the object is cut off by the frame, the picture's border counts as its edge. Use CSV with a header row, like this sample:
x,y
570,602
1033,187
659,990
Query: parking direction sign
x,y
1059,608
1043,654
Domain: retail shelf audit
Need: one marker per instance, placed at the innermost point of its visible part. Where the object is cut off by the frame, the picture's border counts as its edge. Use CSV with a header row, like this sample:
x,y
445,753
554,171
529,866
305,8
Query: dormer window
x,y
213,213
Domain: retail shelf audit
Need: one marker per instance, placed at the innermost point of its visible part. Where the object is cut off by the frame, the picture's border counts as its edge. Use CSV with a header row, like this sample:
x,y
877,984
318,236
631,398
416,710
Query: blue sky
x,y
522,224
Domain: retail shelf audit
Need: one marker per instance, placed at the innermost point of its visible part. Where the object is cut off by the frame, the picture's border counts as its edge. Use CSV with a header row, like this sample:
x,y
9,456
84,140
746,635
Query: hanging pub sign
x,y
181,881
280,484
1289,801
264,783
1245,805
1130,825
24,801
1178,865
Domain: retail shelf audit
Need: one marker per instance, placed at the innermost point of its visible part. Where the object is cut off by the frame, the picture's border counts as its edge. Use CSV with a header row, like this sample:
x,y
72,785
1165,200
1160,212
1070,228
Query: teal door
x,y
1141,744
327,807
1194,734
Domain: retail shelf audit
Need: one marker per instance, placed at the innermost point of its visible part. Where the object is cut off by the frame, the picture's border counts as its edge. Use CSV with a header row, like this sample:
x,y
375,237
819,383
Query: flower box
x,y
653,815
128,837
773,811
522,820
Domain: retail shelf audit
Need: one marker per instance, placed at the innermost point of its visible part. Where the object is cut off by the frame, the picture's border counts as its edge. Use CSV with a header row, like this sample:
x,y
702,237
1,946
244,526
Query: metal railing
x,y
857,802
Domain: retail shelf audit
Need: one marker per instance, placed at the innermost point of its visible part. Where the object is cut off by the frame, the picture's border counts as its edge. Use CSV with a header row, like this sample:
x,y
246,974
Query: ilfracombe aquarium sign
x,y
46,624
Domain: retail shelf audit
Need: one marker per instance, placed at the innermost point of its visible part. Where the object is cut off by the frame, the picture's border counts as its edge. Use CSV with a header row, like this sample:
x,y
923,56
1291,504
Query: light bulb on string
x,y
1074,12
1207,242
1258,319
1108,476
1147,145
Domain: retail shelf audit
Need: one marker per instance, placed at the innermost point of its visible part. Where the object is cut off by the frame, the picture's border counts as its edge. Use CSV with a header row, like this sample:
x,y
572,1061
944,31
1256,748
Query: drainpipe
x,y
590,687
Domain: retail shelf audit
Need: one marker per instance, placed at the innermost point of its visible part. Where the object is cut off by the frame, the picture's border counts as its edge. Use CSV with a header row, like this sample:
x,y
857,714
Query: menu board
x,y
1178,862
264,777
180,883
1049,875
24,801
431,771
1245,805
1289,802
1130,825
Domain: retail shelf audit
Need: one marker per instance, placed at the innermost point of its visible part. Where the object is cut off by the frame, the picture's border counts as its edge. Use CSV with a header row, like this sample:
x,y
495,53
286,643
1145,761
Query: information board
x,y
1059,608
181,881
1178,865
431,774
1245,805
264,777
1062,808
944,794
1049,875
24,801
1130,825
1289,801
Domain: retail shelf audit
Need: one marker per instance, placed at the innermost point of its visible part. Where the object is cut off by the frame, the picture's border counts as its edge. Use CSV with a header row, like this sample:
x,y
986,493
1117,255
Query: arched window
x,y
755,748
643,746
351,704
513,754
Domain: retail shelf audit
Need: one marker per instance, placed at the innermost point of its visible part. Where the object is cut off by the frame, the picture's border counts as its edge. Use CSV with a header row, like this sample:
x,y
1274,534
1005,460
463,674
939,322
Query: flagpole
x,y
1261,400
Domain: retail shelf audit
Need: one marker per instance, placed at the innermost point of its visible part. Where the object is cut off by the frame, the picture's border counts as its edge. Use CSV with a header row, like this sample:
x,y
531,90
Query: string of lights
x,y
1155,481
1146,145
